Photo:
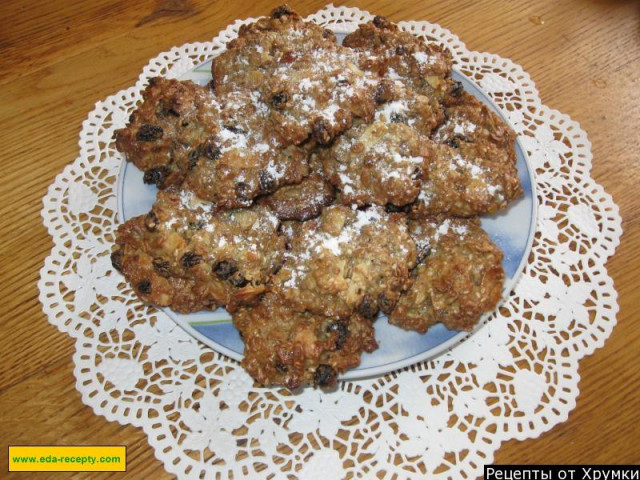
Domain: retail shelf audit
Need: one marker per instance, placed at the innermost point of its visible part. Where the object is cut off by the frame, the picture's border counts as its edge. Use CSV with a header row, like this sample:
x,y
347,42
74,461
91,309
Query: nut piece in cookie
x,y
458,279
166,130
300,202
402,57
291,348
184,256
346,261
472,179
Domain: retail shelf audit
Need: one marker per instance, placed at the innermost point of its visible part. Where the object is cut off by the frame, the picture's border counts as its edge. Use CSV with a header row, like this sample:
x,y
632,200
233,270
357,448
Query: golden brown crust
x,y
345,261
184,256
221,149
471,121
377,163
313,86
459,278
262,46
291,348
385,161
166,130
245,164
472,179
402,57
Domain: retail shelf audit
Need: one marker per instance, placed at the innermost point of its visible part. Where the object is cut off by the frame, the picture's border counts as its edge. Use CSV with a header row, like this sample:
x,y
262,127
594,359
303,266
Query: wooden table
x,y
60,57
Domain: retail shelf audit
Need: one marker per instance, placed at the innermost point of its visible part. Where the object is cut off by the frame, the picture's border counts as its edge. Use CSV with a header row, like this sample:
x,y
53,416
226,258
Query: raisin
x,y
288,58
423,253
342,333
116,260
457,89
193,158
383,93
163,267
145,287
281,11
185,124
453,142
279,100
391,208
156,176
225,269
149,133
190,259
398,118
276,269
400,50
199,225
368,308
321,131
243,190
327,34
210,150
281,367
381,22
325,375
234,129
386,305
212,84
239,281
151,221
267,181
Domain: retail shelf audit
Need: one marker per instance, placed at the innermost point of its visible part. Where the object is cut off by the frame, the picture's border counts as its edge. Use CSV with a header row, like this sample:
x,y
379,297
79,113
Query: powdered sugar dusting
x,y
389,110
319,243
424,59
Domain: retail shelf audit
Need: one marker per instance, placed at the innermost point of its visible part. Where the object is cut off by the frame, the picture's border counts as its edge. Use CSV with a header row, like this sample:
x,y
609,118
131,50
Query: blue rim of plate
x,y
212,328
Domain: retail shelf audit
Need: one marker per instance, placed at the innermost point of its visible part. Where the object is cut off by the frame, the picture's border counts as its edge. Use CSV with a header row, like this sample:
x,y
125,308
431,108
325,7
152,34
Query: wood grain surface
x,y
59,57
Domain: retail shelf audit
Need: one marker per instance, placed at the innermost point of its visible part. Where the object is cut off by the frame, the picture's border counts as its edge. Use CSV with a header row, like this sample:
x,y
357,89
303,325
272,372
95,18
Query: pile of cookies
x,y
312,185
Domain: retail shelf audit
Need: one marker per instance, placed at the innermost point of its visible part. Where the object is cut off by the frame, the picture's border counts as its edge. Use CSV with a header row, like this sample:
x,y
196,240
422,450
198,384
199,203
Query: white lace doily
x,y
515,378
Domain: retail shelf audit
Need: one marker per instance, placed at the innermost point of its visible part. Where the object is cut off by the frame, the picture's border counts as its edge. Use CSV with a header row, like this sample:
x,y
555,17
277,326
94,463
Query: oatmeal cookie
x,y
347,260
221,149
185,256
264,45
301,202
403,58
384,162
472,179
313,86
165,132
459,276
291,348
471,121
378,163
239,165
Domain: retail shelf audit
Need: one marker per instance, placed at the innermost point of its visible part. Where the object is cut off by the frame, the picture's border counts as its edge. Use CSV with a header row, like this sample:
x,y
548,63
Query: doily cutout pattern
x,y
515,378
